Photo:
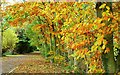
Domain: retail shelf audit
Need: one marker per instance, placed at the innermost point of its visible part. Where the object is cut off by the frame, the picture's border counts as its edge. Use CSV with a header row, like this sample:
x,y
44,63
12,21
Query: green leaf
x,y
95,27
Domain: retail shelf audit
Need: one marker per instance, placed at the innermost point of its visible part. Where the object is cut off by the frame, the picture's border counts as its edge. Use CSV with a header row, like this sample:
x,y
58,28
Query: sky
x,y
9,2
13,1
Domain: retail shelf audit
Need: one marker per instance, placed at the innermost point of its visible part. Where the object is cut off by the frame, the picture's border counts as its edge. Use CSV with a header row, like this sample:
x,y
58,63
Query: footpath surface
x,y
28,63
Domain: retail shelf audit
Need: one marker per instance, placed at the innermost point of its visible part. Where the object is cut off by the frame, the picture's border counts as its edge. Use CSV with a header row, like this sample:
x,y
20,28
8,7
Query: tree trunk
x,y
50,41
46,49
55,50
0,43
59,45
108,59
45,44
118,61
71,60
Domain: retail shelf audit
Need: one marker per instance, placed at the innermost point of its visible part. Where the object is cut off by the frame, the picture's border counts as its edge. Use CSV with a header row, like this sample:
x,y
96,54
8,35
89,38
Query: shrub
x,y
9,40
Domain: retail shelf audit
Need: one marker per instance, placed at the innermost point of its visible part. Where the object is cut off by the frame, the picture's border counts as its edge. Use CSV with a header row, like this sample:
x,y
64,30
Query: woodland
x,y
82,37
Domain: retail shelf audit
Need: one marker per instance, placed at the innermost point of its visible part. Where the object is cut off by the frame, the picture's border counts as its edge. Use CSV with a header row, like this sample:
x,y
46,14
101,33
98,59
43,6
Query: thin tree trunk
x,y
71,60
75,62
55,48
59,46
50,41
0,43
45,44
54,37
46,49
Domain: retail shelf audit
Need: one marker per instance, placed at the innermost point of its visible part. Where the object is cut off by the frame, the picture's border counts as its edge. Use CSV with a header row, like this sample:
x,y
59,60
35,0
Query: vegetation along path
x,y
28,63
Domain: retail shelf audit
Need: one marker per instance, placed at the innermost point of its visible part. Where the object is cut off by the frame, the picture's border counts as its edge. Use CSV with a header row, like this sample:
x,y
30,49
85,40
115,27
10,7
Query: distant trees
x,y
23,46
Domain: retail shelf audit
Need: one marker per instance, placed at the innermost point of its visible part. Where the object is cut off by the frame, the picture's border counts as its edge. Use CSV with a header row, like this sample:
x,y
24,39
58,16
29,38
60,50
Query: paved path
x,y
28,63
9,63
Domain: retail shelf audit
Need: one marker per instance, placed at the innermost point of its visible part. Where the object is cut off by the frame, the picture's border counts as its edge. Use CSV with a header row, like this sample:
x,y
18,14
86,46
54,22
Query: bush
x,y
9,40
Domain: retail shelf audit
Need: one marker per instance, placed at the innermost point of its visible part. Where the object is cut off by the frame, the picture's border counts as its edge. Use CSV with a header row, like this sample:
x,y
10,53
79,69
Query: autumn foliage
x,y
67,30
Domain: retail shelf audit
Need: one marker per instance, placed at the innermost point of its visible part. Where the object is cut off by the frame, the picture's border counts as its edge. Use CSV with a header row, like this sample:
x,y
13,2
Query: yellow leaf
x,y
99,42
57,44
108,7
94,48
108,19
102,6
78,57
73,46
103,47
82,56
104,13
104,42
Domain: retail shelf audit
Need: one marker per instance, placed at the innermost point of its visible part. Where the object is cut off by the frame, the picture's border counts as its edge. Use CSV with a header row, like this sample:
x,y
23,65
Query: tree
x,y
108,59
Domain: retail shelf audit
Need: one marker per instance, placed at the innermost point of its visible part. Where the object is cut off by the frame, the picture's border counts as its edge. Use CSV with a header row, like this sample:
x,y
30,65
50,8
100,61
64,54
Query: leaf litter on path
x,y
37,64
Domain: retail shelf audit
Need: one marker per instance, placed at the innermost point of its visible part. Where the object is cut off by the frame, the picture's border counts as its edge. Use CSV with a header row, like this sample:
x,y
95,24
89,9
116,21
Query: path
x,y
10,62
28,63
